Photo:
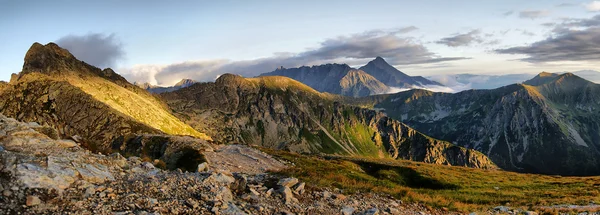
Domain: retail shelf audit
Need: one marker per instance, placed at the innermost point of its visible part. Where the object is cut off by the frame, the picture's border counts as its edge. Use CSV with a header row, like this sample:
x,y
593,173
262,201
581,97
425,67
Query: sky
x,y
161,42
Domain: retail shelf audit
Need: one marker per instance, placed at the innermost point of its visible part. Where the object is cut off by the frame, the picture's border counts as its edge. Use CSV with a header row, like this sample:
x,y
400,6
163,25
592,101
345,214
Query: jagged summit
x,y
51,59
185,83
390,76
47,57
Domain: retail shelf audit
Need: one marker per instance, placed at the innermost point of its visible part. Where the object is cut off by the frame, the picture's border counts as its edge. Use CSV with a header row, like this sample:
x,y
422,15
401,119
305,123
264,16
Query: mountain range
x,y
549,124
376,77
460,82
158,89
105,113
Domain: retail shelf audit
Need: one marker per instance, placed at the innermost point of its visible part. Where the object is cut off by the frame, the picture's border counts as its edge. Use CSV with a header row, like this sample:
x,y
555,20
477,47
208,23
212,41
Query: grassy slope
x,y
457,188
145,110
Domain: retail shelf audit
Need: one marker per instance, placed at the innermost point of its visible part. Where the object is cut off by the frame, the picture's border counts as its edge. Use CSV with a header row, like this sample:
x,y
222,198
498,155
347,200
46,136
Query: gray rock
x,y
372,211
203,167
224,194
288,197
287,182
299,188
346,210
148,165
232,209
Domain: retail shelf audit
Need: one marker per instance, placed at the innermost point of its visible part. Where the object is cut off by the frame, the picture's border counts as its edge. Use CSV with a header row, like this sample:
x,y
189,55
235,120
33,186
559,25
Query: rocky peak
x,y
541,79
228,79
185,83
44,58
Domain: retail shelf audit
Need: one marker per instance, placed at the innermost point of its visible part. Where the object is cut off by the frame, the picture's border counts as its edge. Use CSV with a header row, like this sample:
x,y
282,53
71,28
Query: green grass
x,y
456,188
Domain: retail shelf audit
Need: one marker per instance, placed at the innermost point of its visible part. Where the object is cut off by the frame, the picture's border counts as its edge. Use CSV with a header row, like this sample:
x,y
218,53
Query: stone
x,y
346,210
372,211
203,167
94,173
326,194
269,192
530,213
393,211
299,188
221,178
33,200
7,193
232,209
191,203
288,197
224,194
502,209
148,165
341,197
152,201
287,182
254,192
240,184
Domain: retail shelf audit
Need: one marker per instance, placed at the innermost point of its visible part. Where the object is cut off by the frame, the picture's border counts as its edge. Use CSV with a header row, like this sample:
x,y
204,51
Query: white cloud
x,y
354,49
593,6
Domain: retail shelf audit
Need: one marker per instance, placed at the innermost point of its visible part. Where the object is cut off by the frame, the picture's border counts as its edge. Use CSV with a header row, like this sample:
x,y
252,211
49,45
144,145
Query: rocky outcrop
x,y
281,113
42,175
334,78
547,125
79,100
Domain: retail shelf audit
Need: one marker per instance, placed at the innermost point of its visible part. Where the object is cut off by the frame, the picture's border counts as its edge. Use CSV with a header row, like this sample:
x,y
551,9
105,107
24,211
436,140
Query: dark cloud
x,y
572,45
355,50
533,14
96,49
462,39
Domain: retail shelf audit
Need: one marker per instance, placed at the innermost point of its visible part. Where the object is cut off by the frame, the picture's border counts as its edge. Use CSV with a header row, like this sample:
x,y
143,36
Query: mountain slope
x,y
281,113
551,126
334,78
99,106
392,77
158,89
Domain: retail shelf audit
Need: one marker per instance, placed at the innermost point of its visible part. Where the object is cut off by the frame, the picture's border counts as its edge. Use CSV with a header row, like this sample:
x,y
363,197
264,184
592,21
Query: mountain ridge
x,y
84,102
282,113
520,126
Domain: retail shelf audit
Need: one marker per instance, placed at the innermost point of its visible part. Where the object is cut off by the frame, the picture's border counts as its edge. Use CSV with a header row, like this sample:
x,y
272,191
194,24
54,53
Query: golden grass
x,y
143,109
456,188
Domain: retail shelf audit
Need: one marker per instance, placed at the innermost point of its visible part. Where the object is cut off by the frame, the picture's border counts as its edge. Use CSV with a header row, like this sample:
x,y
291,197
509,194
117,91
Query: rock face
x,y
334,78
393,77
91,105
158,89
281,113
550,124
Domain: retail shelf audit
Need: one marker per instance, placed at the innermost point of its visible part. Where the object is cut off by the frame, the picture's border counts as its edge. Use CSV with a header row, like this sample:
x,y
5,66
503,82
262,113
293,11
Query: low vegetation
x,y
455,188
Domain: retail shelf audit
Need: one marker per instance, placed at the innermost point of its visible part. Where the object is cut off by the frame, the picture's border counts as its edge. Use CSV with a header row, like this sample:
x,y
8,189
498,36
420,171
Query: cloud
x,y
533,14
593,6
571,40
508,13
96,49
565,5
574,45
462,39
354,49
433,88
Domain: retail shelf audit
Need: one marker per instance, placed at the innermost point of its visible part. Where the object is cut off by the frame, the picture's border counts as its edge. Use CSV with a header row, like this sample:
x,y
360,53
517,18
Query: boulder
x,y
287,182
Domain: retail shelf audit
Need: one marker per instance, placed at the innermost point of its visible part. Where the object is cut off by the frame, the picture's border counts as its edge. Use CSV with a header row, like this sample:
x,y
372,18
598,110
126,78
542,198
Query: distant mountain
x,y
549,124
158,89
282,113
97,107
334,78
393,77
461,82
